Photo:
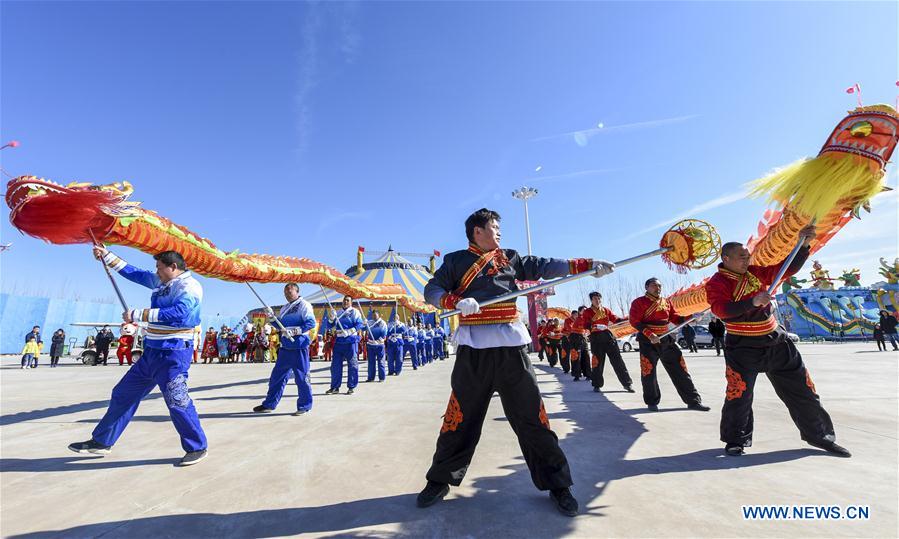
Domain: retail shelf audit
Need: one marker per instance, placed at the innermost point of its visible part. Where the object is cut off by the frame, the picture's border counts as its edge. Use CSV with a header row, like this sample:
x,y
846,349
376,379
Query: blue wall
x,y
18,314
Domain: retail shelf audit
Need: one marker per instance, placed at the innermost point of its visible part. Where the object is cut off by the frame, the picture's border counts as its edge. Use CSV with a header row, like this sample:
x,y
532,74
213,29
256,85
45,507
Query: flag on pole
x,y
857,90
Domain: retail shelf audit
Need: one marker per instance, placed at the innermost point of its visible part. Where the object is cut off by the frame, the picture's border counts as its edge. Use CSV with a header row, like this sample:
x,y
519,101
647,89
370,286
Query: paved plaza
x,y
355,464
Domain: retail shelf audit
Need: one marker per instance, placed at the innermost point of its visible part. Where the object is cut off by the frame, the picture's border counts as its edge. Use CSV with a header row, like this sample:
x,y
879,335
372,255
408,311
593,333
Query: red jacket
x,y
593,319
650,315
572,325
553,331
126,341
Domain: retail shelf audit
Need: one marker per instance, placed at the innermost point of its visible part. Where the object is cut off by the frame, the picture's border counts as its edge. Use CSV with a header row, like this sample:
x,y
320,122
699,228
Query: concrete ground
x,y
355,464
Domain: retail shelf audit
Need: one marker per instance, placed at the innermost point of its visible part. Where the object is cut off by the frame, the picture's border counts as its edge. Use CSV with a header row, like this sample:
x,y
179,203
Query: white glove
x,y
291,332
269,312
468,306
602,268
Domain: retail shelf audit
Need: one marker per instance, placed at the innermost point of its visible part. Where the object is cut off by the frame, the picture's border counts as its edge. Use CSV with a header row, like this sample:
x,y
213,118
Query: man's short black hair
x,y
728,248
35,327
480,219
295,286
651,280
171,258
595,295
573,312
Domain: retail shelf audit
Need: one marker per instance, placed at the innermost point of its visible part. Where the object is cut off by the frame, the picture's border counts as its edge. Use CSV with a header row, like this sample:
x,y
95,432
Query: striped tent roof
x,y
390,268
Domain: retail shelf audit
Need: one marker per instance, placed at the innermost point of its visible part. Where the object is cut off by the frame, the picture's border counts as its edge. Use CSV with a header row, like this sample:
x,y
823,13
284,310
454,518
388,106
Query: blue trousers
x,y
375,354
345,351
167,369
437,347
290,362
413,355
422,358
394,357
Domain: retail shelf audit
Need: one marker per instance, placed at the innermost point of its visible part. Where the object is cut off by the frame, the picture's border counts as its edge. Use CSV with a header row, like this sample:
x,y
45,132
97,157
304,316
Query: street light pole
x,y
524,194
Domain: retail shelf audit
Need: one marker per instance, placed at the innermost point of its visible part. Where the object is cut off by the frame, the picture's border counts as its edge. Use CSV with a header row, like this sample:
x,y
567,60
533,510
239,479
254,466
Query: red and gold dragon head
x,y
870,132
66,213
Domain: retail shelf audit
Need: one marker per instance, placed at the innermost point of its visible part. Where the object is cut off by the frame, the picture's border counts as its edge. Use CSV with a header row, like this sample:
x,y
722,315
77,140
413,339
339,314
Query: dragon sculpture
x,y
828,190
78,212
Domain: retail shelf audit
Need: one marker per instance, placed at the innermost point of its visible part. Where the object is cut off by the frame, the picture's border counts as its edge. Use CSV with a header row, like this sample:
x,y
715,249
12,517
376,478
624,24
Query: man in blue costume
x,y
293,354
411,344
492,357
377,329
439,335
168,351
347,323
395,333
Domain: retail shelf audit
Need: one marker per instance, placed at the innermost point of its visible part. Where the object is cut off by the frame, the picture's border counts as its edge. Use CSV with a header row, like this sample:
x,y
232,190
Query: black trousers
x,y
580,356
881,344
602,344
785,369
719,344
565,358
477,374
672,359
541,342
553,351
691,344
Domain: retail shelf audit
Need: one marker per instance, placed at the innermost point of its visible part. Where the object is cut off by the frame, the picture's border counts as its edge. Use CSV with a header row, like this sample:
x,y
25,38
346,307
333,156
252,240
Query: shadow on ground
x,y
504,505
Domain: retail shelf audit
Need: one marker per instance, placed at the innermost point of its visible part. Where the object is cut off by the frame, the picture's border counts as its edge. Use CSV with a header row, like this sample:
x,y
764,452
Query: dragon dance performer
x,y
650,315
439,336
410,344
421,336
298,320
395,336
553,336
541,340
580,361
756,343
492,357
375,348
570,349
210,348
346,325
597,319
173,314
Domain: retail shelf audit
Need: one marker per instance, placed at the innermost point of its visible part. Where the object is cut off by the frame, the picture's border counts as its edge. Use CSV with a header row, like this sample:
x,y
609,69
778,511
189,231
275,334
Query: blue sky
x,y
309,129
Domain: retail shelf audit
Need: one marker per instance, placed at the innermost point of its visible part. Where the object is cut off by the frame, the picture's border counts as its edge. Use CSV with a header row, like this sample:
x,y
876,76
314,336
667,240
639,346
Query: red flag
x,y
851,89
857,90
436,253
361,249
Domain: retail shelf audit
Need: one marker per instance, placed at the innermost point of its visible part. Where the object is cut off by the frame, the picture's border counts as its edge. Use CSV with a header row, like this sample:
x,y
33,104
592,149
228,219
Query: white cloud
x,y
582,136
717,202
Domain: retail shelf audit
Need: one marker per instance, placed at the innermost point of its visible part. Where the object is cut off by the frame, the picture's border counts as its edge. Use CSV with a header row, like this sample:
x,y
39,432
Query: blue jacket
x,y
411,335
378,333
174,306
350,324
396,332
297,315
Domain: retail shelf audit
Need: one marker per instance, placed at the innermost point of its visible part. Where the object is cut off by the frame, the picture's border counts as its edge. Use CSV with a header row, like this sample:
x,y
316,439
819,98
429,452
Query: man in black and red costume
x,y
596,319
492,357
756,343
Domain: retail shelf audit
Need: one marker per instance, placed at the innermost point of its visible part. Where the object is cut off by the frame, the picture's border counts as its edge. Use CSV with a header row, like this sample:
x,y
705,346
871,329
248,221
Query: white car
x,y
628,343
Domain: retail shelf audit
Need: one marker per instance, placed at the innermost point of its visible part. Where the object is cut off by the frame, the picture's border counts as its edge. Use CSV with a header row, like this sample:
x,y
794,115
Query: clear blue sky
x,y
309,129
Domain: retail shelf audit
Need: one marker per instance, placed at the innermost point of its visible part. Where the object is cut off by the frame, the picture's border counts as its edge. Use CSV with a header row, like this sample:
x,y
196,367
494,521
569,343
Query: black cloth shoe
x,y
301,412
192,457
577,378
831,447
90,446
332,391
431,494
653,407
733,450
262,409
698,406
595,389
565,502
629,389
349,391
